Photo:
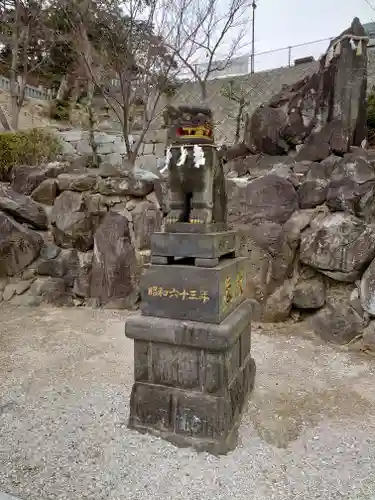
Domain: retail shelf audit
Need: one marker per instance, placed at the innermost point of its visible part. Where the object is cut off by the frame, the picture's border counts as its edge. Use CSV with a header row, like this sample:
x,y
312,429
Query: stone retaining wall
x,y
111,147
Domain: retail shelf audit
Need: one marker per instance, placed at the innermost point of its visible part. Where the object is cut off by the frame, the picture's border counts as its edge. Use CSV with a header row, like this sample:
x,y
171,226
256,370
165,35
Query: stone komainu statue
x,y
196,176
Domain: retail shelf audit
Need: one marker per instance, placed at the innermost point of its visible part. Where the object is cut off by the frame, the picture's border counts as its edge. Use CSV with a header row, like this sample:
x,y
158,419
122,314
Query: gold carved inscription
x,y
228,296
173,293
233,288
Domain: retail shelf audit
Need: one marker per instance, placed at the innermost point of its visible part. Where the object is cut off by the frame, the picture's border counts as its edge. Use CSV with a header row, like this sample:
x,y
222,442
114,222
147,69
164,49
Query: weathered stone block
x,y
186,227
189,418
189,292
205,246
192,333
148,149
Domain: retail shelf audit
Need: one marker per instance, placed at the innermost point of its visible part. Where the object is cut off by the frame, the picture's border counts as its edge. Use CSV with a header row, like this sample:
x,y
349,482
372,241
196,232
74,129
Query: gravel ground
x,y
65,379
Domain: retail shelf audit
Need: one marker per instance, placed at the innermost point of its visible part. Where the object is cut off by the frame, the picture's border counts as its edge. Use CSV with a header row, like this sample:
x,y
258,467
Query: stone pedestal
x,y
192,364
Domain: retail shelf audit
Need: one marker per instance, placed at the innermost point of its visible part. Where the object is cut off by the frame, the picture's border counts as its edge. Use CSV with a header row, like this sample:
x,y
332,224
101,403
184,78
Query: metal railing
x,y
267,60
30,91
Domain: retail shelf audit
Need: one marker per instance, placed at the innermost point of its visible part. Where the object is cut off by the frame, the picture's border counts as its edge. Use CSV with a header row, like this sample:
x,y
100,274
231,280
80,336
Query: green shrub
x,y
60,110
29,147
371,109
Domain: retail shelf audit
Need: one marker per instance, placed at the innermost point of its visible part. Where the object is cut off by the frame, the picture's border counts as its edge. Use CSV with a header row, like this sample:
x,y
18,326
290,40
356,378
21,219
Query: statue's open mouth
x,y
201,132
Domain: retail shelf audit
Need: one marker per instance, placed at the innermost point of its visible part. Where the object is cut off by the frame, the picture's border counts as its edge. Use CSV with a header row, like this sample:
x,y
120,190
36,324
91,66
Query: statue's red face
x,y
191,126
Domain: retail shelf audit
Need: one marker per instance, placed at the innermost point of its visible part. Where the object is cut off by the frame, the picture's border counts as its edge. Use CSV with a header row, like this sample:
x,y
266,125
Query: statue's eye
x,y
187,117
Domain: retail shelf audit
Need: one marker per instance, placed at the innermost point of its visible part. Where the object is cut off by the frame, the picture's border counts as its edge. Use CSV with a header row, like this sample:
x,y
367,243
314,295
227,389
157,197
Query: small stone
x,y
152,198
9,291
338,323
22,286
279,304
77,182
46,192
26,300
130,205
3,284
369,337
51,289
50,251
309,293
22,207
106,169
29,274
129,186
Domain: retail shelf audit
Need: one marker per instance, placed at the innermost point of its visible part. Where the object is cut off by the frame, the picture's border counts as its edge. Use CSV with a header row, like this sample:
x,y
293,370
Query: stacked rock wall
x,y
70,234
309,234
111,146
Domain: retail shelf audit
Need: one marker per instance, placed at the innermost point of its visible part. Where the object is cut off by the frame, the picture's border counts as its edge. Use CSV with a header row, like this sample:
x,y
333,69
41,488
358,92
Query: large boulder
x,y
342,319
351,179
65,266
324,112
338,245
25,179
254,165
271,250
286,120
368,289
114,269
19,246
22,208
77,181
269,198
313,190
73,225
146,220
310,290
82,281
129,186
46,192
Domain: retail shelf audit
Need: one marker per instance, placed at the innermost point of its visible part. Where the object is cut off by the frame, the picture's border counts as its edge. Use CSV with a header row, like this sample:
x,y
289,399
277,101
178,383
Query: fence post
x,y
289,56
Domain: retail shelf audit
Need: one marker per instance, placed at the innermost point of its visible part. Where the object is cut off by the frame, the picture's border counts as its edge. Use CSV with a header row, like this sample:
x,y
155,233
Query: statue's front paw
x,y
174,216
200,216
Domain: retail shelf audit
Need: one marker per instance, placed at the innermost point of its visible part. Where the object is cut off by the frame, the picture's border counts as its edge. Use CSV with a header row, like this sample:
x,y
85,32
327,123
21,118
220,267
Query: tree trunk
x,y
14,87
92,142
238,121
15,109
204,97
61,93
4,120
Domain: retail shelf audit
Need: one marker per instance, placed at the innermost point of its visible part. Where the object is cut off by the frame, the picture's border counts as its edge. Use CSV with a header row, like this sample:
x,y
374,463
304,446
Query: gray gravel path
x,y
65,378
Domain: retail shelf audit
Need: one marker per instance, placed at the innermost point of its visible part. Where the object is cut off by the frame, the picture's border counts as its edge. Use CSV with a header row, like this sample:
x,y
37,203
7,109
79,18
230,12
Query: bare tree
x,y
133,52
214,30
127,59
22,26
237,96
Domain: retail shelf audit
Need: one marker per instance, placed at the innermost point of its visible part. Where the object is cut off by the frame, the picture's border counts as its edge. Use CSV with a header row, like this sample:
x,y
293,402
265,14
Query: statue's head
x,y
190,125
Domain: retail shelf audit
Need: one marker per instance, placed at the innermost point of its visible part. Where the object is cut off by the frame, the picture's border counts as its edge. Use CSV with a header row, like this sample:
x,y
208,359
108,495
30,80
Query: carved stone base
x,y
189,292
204,246
192,379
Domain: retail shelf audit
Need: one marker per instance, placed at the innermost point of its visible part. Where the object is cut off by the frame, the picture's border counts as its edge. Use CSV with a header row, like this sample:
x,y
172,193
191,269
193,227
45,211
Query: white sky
x,y
281,23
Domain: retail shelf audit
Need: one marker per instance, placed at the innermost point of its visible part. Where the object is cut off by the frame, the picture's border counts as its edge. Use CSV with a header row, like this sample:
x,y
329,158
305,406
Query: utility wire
x,y
369,4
